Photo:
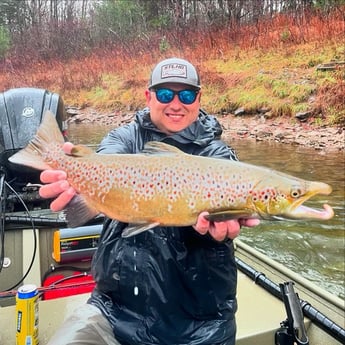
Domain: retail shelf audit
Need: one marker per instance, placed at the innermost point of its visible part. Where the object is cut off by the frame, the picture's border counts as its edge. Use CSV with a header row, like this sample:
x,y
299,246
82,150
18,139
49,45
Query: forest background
x,y
278,58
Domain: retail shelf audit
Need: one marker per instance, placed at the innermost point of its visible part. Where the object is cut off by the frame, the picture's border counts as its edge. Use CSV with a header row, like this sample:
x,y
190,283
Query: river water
x,y
314,249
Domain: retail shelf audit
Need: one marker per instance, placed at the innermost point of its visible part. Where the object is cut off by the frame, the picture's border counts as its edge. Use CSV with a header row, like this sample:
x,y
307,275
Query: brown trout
x,y
164,186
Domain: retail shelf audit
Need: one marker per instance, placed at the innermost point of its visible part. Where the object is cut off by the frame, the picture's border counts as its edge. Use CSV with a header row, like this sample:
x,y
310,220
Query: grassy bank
x,y
280,81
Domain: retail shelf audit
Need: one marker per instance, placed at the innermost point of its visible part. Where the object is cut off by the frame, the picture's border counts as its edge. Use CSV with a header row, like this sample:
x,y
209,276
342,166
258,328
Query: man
x,y
171,285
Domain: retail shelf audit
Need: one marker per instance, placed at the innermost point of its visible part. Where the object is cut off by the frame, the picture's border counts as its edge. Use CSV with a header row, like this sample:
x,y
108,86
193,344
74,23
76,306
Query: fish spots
x,y
178,183
191,204
163,183
264,195
90,179
169,188
214,189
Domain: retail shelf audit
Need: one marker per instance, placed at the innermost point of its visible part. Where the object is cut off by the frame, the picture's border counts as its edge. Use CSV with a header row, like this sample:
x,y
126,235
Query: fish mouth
x,y
308,213
299,211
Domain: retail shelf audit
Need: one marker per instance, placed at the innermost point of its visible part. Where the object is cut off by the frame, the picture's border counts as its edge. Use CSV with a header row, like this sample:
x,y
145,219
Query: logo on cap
x,y
174,70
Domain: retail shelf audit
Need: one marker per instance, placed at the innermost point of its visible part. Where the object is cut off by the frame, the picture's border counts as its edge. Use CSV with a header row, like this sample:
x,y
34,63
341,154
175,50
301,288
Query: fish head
x,y
282,197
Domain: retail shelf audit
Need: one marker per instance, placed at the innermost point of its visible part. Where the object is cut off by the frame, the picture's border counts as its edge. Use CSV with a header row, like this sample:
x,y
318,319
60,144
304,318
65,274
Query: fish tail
x,y
47,134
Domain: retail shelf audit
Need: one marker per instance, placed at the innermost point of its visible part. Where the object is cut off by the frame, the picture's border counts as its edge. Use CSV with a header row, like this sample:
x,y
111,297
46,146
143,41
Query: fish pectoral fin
x,y
231,214
135,229
78,212
81,151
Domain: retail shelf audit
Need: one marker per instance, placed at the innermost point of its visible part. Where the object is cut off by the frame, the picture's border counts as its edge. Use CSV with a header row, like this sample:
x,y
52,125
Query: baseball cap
x,y
174,70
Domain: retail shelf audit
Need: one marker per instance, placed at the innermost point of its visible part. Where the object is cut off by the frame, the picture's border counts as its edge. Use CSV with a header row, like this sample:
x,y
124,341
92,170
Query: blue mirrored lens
x,y
167,95
187,96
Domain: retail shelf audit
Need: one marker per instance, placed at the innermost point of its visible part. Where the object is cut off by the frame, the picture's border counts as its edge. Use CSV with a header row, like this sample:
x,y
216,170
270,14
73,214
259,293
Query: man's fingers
x,y
222,230
49,176
218,230
234,228
202,224
67,147
52,190
62,200
250,222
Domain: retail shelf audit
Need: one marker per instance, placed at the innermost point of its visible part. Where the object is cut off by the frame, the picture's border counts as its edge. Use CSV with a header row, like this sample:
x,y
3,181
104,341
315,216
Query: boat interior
x,y
259,316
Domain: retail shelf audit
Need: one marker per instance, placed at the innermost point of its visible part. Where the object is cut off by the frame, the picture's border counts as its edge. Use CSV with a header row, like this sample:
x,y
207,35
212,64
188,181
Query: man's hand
x,y
222,230
57,185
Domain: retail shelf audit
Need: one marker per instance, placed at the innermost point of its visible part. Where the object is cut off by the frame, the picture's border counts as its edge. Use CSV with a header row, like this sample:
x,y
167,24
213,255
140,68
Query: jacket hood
x,y
201,132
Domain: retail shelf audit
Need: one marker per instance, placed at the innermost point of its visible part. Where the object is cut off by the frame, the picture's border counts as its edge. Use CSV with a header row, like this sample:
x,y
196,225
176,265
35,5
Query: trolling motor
x,y
292,331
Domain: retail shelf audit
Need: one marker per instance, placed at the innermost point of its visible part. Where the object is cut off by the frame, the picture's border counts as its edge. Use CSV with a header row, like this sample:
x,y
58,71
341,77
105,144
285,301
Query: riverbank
x,y
284,130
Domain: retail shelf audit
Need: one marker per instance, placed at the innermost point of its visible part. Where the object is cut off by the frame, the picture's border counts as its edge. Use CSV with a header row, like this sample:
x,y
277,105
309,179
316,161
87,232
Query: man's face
x,y
174,116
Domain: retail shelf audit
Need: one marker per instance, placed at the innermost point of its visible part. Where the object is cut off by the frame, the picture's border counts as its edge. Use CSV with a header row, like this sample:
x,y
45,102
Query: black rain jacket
x,y
166,286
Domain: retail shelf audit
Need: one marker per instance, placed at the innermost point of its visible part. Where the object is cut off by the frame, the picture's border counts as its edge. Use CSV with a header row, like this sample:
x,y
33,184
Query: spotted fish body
x,y
164,186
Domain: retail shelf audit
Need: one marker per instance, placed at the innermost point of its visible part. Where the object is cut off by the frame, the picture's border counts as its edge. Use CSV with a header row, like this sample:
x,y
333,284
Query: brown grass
x,y
239,67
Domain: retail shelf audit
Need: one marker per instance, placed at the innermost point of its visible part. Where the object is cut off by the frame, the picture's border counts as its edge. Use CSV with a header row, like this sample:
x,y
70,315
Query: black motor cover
x,y
21,112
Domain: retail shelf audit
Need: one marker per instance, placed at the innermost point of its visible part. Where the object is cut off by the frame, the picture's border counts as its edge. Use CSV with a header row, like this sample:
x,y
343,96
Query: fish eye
x,y
296,192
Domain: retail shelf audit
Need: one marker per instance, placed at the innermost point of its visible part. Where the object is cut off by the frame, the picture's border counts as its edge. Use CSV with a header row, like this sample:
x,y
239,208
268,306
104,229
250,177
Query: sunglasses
x,y
167,95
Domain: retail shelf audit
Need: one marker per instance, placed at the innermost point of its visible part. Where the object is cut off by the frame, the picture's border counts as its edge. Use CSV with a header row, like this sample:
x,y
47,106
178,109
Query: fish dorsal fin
x,y
157,148
80,151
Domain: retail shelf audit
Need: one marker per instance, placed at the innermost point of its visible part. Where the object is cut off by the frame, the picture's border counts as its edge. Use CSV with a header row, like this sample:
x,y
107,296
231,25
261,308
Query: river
x,y
314,249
